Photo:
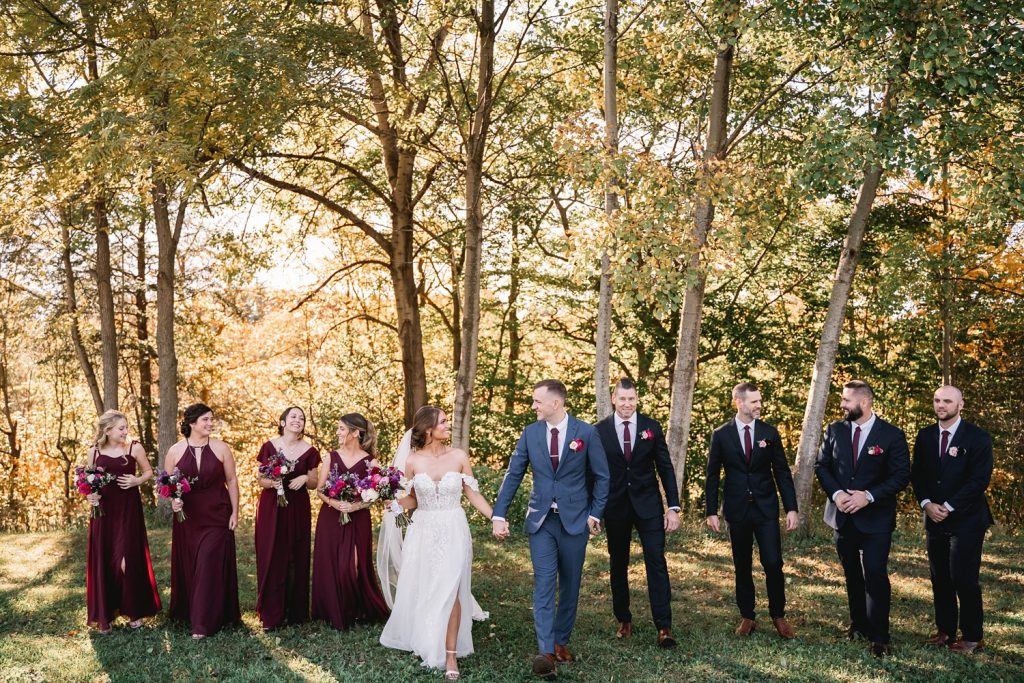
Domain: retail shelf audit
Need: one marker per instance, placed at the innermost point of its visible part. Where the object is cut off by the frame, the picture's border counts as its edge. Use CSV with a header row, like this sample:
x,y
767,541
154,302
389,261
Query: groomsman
x,y
862,465
756,471
952,468
637,457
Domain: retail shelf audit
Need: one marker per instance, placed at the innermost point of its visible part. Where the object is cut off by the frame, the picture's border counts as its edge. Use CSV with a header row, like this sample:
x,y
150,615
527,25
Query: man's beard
x,y
854,414
949,416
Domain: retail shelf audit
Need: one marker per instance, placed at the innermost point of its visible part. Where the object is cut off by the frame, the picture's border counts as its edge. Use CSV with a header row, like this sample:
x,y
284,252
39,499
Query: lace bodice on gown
x,y
444,494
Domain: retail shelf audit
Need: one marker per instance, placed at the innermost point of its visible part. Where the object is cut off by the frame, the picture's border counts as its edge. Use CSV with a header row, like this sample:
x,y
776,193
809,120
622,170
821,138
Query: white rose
x,y
369,495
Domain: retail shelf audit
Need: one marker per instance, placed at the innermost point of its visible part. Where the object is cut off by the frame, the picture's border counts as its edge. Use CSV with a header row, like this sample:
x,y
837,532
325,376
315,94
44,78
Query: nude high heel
x,y
451,675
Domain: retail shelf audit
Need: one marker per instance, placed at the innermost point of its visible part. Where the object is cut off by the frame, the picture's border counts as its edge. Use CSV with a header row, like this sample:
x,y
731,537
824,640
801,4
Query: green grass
x,y
42,615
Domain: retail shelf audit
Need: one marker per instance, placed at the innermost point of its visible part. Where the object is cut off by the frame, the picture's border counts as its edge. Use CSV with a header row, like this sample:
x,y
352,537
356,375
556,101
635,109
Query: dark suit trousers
x,y
955,563
769,545
652,539
865,559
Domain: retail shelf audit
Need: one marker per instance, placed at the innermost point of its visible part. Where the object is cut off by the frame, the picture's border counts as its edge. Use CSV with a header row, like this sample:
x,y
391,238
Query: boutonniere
x,y
576,445
763,443
953,451
875,450
646,434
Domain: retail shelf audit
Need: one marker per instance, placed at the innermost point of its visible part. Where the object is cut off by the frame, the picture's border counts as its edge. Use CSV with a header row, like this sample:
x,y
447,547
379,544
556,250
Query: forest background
x,y
353,205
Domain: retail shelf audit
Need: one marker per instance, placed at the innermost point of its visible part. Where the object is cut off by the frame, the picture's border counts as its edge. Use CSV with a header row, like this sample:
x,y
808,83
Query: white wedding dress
x,y
435,567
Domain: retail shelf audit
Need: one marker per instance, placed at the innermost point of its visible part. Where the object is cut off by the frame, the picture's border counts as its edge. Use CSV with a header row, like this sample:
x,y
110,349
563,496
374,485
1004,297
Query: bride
x,y
431,600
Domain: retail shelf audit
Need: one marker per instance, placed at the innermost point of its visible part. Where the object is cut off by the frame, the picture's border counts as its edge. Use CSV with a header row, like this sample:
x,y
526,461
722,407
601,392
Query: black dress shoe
x,y
853,633
880,650
665,638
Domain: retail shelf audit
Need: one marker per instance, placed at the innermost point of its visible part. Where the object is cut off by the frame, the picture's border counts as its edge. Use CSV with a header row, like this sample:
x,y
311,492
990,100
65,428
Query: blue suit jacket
x,y
884,474
580,486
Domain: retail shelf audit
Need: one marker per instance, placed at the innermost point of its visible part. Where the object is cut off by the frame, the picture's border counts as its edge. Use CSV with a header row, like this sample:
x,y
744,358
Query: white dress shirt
x,y
740,426
952,431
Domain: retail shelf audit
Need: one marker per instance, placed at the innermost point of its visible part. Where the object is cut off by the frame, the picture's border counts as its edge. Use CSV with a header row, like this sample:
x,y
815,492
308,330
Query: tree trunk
x,y
824,362
167,359
144,350
71,304
108,327
684,375
602,375
410,333
515,340
476,144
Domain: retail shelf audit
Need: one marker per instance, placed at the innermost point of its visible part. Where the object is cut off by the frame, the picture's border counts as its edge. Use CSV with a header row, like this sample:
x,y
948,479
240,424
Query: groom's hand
x,y
595,526
500,529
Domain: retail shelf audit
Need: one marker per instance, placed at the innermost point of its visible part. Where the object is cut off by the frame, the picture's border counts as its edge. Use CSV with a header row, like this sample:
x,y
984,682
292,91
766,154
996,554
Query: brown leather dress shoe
x,y
625,629
968,647
853,633
783,627
939,639
544,666
665,638
562,654
746,627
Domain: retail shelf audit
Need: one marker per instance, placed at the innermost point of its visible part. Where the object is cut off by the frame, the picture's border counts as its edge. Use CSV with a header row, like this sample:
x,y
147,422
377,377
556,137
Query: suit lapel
x,y
955,441
734,438
863,450
613,431
846,443
570,436
545,447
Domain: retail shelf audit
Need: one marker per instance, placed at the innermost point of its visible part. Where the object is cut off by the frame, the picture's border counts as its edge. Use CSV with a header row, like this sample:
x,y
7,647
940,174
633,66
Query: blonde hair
x,y
105,422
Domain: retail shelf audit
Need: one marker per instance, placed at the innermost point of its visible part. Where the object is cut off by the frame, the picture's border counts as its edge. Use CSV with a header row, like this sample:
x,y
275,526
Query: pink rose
x,y
576,445
165,491
185,486
84,489
277,471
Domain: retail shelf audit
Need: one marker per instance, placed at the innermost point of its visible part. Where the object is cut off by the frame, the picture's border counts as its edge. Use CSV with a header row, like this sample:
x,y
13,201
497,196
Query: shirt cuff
x,y
924,503
836,494
495,518
675,508
593,518
948,506
867,494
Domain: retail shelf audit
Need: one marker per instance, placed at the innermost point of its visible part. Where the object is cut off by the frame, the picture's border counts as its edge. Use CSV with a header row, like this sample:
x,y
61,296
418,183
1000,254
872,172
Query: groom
x,y
564,455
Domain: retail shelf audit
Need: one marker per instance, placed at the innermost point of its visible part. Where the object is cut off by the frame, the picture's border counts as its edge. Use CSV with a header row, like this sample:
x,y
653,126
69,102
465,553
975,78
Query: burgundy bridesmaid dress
x,y
345,588
118,539
204,579
282,546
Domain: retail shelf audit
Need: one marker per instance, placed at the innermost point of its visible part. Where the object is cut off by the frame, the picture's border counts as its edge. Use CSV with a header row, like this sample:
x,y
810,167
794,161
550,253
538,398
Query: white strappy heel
x,y
451,675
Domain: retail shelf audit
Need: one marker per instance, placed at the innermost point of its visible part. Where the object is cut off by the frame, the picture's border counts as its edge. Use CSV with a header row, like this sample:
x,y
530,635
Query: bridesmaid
x,y
345,588
283,533
119,574
204,579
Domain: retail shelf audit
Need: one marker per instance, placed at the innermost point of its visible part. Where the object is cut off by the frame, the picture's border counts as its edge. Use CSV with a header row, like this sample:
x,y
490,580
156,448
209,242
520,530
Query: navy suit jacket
x,y
635,483
883,474
752,485
580,486
959,480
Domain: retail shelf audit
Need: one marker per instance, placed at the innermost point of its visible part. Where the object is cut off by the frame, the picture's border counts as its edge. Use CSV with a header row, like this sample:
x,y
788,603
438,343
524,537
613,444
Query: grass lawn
x,y
42,616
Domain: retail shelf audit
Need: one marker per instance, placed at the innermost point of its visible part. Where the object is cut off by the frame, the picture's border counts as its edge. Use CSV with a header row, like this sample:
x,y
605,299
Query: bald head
x,y
948,401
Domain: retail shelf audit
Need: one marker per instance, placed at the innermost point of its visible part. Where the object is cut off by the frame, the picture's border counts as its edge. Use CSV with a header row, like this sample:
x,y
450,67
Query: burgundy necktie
x,y
747,445
856,446
627,445
554,448
945,445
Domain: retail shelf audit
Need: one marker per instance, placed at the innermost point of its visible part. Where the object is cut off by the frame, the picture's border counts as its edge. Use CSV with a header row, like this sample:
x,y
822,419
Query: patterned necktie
x,y
627,444
747,445
945,445
856,446
554,448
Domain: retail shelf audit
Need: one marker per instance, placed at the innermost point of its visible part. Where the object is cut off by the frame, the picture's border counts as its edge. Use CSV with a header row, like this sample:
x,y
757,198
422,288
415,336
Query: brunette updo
x,y
284,416
425,419
191,415
365,429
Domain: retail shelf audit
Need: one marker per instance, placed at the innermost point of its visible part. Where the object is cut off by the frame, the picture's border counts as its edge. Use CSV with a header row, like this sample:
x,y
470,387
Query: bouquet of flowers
x,y
344,488
89,480
276,469
173,485
385,484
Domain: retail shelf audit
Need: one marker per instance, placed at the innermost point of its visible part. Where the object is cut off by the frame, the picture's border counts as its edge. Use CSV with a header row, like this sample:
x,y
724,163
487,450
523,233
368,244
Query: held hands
x,y
500,529
714,524
937,513
94,499
126,481
671,521
851,502
792,520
